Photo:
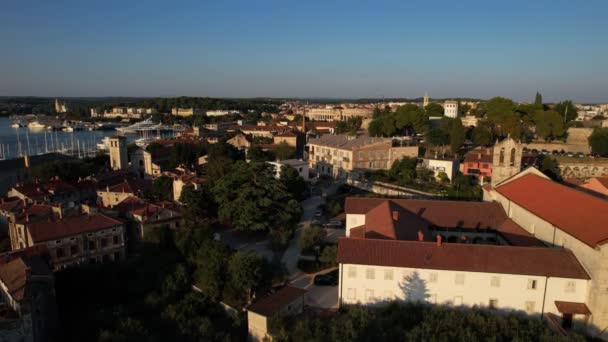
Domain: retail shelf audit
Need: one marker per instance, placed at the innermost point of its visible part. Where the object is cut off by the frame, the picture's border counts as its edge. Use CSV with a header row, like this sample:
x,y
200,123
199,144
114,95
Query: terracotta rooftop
x,y
56,228
16,272
461,257
413,216
479,155
273,303
129,185
577,213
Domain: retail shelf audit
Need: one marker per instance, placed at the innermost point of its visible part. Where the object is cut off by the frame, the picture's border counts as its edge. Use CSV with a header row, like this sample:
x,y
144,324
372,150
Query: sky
x,y
305,48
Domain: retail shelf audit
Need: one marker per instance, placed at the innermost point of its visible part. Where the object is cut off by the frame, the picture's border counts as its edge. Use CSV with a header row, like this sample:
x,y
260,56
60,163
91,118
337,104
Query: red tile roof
x,y
572,308
479,155
534,261
16,272
577,213
275,302
69,226
603,181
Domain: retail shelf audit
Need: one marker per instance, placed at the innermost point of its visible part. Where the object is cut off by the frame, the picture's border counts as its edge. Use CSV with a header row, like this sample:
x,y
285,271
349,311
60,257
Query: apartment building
x,y
340,155
73,239
337,113
185,111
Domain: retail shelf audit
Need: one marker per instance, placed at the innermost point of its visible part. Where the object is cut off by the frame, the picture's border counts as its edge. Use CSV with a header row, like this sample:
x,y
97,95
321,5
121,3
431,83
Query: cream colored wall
x,y
110,199
354,220
178,185
512,292
257,326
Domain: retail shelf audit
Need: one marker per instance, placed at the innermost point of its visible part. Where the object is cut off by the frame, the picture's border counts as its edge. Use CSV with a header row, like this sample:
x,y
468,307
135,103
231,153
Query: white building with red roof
x,y
566,219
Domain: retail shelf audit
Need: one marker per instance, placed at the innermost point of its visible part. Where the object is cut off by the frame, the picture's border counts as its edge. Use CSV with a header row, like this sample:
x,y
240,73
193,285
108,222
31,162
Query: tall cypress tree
x,y
538,101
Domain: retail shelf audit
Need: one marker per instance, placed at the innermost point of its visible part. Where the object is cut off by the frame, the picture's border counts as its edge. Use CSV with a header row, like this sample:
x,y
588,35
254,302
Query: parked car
x,y
333,224
327,279
580,155
318,213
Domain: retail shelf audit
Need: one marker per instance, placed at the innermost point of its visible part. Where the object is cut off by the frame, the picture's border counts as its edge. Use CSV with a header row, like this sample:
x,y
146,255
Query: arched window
x,y
512,161
501,161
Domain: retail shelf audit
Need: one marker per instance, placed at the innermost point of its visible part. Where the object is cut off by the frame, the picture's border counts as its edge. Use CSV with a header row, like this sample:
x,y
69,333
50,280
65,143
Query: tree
x,y
198,204
436,137
434,109
549,124
284,151
482,135
404,170
566,109
311,237
210,261
329,255
250,198
293,182
349,126
246,274
599,141
256,154
457,136
162,188
549,167
538,100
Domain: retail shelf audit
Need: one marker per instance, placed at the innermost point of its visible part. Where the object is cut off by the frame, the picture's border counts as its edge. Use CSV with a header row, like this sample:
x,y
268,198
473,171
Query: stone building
x,y
287,301
506,160
340,155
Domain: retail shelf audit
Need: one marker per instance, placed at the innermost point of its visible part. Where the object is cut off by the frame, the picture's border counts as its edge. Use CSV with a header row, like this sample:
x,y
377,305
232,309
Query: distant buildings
x,y
185,111
337,113
221,112
123,113
285,302
299,165
450,109
340,155
478,163
449,167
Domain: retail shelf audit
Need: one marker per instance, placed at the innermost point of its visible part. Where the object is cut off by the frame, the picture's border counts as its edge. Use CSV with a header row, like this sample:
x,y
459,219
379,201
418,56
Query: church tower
x,y
118,153
425,100
506,160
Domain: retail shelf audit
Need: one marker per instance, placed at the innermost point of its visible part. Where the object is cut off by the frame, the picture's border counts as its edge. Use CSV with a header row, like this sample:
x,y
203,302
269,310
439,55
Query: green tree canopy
x,y
251,198
599,141
311,237
568,109
549,124
434,109
293,182
457,136
538,100
284,151
404,170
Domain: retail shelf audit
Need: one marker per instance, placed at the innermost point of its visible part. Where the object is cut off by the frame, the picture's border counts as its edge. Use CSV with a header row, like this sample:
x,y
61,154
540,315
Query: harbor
x,y
20,136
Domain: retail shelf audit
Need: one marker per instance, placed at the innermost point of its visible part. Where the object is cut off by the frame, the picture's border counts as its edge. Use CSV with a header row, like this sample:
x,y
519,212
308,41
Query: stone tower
x,y
118,153
425,100
506,160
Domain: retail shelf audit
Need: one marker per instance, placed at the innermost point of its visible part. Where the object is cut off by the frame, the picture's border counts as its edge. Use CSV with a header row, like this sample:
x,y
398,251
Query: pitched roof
x,y
16,271
577,213
480,215
479,155
51,229
273,303
572,308
535,261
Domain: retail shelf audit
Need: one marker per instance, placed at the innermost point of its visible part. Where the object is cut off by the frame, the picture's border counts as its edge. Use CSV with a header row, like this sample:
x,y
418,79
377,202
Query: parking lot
x,y
325,297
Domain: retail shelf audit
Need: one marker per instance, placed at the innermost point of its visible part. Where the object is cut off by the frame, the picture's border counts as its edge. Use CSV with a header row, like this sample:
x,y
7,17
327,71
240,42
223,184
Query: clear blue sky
x,y
305,48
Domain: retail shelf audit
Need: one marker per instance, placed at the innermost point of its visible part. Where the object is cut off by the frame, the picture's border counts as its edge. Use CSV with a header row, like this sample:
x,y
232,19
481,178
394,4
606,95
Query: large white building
x,y
450,109
534,246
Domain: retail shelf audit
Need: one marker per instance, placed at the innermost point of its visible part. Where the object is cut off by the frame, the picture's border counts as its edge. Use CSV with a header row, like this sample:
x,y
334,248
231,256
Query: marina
x,y
18,138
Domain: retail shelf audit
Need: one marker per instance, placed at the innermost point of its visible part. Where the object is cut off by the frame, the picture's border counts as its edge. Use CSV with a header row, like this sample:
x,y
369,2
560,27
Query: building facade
x,y
506,159
450,109
118,153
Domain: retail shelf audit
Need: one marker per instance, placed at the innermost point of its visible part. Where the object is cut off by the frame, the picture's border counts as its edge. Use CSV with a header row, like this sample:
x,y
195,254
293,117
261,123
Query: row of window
x,y
459,278
61,252
369,295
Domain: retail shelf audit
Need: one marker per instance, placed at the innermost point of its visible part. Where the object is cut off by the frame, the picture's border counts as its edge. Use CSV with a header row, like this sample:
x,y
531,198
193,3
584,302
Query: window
x,y
370,273
92,245
388,295
530,307
116,239
59,252
104,243
369,294
570,286
352,272
388,274
459,279
501,161
73,250
512,160
351,294
433,277
531,284
493,303
495,281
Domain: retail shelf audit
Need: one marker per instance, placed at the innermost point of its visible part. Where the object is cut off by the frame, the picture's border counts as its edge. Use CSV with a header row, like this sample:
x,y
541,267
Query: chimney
x,y
438,240
395,215
420,235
